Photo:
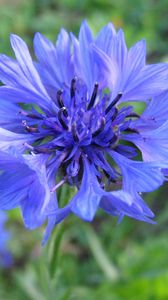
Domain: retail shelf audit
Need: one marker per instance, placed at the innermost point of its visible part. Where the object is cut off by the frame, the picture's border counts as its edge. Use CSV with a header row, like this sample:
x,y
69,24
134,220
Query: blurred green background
x,y
102,260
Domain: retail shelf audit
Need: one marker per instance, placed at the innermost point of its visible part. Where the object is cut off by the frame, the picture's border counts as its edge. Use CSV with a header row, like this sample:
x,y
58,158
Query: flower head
x,y
65,119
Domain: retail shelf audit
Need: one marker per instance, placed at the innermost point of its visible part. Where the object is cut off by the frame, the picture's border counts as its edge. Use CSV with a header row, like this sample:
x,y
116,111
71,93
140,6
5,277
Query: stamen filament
x,y
59,99
58,185
74,133
103,122
114,102
28,146
133,115
60,112
114,115
72,89
28,128
93,97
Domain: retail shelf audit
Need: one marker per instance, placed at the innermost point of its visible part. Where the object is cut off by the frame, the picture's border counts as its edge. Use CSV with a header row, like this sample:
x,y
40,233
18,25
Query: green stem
x,y
57,239
109,269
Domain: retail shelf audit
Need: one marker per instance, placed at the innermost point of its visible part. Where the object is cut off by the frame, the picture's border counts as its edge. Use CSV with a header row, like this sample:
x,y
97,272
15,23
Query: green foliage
x,y
103,260
140,19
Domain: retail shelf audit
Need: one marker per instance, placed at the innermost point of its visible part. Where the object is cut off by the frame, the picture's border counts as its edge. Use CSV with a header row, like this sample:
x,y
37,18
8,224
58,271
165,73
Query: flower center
x,y
80,125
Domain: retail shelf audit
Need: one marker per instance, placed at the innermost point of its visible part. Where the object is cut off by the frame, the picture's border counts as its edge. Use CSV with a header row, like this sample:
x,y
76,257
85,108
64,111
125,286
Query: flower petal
x,y
26,64
46,54
149,82
23,95
121,203
153,144
23,183
11,139
135,62
85,40
138,176
85,203
104,39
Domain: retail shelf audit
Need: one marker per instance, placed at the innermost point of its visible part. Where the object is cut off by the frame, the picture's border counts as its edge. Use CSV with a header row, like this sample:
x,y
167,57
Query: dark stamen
x,y
47,150
113,139
59,99
64,112
35,117
73,88
74,133
103,122
133,115
23,113
115,114
93,97
28,128
59,147
31,129
109,176
42,150
131,130
32,116
114,102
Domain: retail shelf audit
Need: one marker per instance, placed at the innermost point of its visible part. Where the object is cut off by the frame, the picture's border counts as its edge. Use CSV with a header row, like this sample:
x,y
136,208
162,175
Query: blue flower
x,y
5,255
65,118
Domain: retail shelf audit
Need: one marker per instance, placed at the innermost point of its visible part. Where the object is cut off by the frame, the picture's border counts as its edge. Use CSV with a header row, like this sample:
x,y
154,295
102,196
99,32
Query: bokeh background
x,y
103,260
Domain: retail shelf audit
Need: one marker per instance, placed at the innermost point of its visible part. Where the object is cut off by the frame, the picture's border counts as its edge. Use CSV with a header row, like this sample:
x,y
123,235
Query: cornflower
x,y
66,118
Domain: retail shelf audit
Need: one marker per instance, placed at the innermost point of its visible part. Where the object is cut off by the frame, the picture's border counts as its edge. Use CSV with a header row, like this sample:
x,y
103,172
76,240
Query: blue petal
x,y
54,218
85,40
85,203
119,50
15,179
139,176
155,113
149,82
37,164
117,58
63,48
104,40
11,139
11,74
26,64
135,62
120,203
31,205
24,95
9,116
46,54
153,144
23,182
106,71
76,55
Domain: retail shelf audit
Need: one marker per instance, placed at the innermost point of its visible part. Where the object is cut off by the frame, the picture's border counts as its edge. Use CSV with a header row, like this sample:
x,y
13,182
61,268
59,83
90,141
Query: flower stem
x,y
108,268
57,239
